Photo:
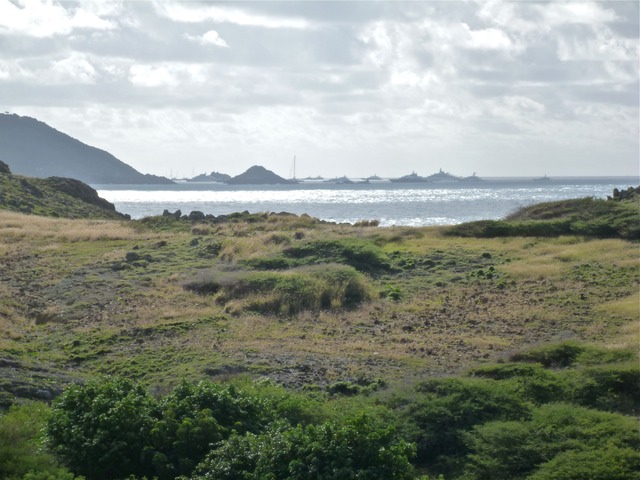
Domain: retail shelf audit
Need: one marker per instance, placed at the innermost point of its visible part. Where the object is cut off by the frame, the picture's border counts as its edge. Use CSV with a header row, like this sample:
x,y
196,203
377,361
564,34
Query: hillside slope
x,y
35,149
52,197
617,217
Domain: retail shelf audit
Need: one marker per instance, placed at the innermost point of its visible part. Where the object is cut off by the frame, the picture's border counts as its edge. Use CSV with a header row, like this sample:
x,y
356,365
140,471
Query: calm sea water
x,y
390,203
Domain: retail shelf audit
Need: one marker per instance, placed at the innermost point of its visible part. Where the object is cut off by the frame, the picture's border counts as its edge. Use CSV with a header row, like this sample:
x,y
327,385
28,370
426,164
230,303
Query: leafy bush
x,y
605,463
607,387
555,435
193,417
567,354
530,382
100,429
447,409
358,449
22,455
552,356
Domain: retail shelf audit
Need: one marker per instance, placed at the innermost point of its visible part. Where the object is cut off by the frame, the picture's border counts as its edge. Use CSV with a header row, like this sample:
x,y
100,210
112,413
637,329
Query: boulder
x,y
78,189
4,168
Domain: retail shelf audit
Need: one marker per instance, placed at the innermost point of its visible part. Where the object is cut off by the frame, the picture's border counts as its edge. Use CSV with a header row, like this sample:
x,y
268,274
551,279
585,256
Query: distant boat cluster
x,y
440,177
258,175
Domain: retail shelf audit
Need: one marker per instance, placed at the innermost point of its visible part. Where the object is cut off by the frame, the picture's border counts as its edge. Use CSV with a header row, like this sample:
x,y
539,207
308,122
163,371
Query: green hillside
x,y
616,217
53,197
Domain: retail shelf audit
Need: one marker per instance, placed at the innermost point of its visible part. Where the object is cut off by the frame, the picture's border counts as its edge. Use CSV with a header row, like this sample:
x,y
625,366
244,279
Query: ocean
x,y
392,204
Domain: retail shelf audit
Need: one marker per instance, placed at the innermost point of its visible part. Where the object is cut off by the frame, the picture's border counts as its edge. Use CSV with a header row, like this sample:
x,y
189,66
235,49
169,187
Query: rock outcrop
x,y
79,190
4,168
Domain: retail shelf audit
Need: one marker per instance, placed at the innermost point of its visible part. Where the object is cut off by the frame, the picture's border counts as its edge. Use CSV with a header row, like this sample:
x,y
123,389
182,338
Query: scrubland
x,y
401,323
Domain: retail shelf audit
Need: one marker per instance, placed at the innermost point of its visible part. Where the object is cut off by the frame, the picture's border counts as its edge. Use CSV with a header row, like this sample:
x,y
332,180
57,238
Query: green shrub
x,y
604,463
195,416
531,382
100,429
358,449
607,387
552,356
22,452
448,408
292,291
556,435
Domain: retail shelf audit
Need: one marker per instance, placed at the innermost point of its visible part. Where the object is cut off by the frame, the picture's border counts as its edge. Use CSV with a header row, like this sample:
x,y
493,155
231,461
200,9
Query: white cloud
x,y
167,75
486,39
188,13
45,19
209,38
74,69
558,13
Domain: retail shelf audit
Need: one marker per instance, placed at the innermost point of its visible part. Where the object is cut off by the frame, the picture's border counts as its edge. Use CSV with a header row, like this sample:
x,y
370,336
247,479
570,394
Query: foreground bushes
x,y
507,421
111,428
357,449
580,442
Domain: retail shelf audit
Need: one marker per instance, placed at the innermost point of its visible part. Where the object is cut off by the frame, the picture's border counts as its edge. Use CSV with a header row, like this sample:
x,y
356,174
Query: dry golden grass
x,y
16,226
628,310
526,270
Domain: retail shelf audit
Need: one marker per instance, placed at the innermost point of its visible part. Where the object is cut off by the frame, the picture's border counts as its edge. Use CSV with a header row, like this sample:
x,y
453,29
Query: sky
x,y
518,88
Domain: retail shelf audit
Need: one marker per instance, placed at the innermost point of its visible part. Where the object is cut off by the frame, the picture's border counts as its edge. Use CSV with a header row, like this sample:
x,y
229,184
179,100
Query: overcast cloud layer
x,y
350,88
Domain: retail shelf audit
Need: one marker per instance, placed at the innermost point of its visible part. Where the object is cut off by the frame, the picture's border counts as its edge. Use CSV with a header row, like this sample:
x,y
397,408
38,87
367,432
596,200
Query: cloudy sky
x,y
349,88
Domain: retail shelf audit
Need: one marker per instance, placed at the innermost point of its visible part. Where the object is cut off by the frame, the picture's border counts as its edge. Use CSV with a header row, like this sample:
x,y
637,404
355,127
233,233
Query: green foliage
x,y
552,356
22,454
100,429
556,435
358,449
438,419
361,386
531,382
193,417
607,387
293,407
605,463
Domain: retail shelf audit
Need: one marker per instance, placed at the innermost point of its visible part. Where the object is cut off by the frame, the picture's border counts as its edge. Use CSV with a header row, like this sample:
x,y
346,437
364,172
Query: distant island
x,y
215,177
258,175
33,148
439,177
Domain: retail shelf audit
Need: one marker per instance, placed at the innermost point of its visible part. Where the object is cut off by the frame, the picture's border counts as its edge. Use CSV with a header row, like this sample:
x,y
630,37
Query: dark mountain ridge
x,y
33,148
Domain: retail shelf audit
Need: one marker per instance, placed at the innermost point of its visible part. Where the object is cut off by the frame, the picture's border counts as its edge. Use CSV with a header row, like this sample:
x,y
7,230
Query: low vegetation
x,y
162,348
52,197
613,218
